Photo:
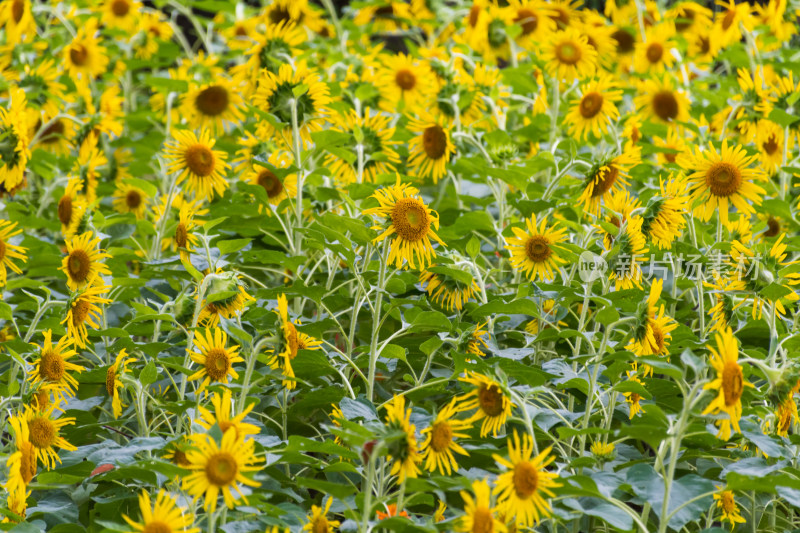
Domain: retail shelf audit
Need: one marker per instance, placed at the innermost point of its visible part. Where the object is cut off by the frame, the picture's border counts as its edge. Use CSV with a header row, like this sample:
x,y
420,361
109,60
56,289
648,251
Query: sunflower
x,y
548,317
227,307
445,289
718,178
431,148
22,463
56,136
477,343
410,220
279,93
722,288
534,17
163,517
405,83
183,240
740,229
671,147
729,21
568,56
404,451
82,264
771,145
84,58
14,132
154,31
522,489
299,12
130,199
729,383
45,434
8,251
479,515
440,443
595,109
384,16
727,504
690,17
52,365
664,215
269,51
633,398
214,105
175,452
599,35
607,178
293,341
273,177
215,358
318,520
16,17
653,332
533,253
703,48
602,451
222,418
196,161
376,146
220,468
114,381
658,99
489,37
654,55
626,256
492,404
82,309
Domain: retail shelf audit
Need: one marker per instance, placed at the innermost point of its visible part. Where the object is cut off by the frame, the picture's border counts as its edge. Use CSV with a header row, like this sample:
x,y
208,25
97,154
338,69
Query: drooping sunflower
x,y
771,145
412,223
293,341
522,489
273,177
633,399
568,56
183,240
376,147
720,178
477,343
87,168
84,58
22,463
154,30
223,418
729,383
654,55
8,251
492,404
227,307
215,357
533,253
630,251
447,290
431,148
14,130
56,135
52,366
45,434
595,109
727,505
489,37
84,308
130,199
659,99
197,162
404,451
318,519
653,331
479,514
114,380
216,106
165,516
83,265
439,443
220,468
269,51
606,178
405,83
664,215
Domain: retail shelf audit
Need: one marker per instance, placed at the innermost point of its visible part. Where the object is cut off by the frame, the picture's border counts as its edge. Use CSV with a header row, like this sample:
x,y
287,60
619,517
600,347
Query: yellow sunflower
x,y
277,188
45,434
15,151
8,251
431,148
130,199
318,519
477,343
154,30
522,489
299,12
729,21
183,240
114,380
215,358
90,158
658,99
595,109
771,145
606,178
56,137
82,309
534,17
568,56
52,365
404,452
655,54
220,468
222,416
721,178
689,17
84,58
121,14
165,516
729,383
533,253
269,51
633,399
653,331
293,341
384,16
197,162
405,83
630,249
227,307
673,145
664,215
439,443
378,155
727,505
16,17
492,404
448,291
412,223
22,462
479,515
216,105
82,265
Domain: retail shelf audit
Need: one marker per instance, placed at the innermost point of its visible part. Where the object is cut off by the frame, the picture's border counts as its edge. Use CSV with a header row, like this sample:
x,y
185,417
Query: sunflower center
x,y
179,458
156,527
724,179
292,339
65,209
51,366
528,20
526,479
561,16
80,311
591,104
42,432
688,19
410,219
658,336
727,22
655,52
434,141
279,14
727,502
771,146
53,132
482,521
217,363
120,8
200,160
28,462
635,397
491,400
605,180
42,400
133,199
665,105
405,79
2,250
212,101
17,10
568,52
474,13
78,54
625,41
240,31
181,235
79,266
773,227
732,383
441,436
270,182
538,249
320,525
224,425
221,469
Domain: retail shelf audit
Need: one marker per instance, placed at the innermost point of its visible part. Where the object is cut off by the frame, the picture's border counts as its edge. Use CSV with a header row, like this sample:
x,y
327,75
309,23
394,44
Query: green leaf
x,y
233,245
149,374
782,118
393,351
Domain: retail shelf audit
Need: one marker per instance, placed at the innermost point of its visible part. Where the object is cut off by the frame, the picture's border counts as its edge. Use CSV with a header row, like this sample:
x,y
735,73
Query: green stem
x,y
376,319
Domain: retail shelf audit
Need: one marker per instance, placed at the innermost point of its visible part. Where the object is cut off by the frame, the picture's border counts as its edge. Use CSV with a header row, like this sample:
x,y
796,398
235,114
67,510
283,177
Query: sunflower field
x,y
481,266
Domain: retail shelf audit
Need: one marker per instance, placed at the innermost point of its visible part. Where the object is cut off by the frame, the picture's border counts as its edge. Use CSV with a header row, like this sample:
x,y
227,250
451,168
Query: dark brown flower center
x,y
526,479
80,311
200,160
655,52
606,177
591,104
212,101
771,146
490,399
181,235
43,432
730,17
78,54
120,8
17,10
51,366
482,521
474,13
528,20
723,179
732,383
405,79
625,41
79,265
410,219
773,227
568,52
441,436
217,363
434,141
28,462
221,469
65,209
111,377
53,132
665,105
538,249
270,182
133,199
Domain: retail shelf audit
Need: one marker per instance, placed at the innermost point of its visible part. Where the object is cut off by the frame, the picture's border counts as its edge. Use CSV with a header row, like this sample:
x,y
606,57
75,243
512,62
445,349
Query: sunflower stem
x,y
298,235
376,319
